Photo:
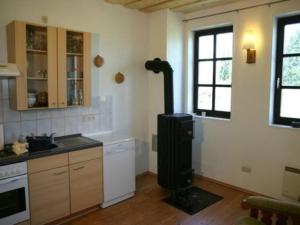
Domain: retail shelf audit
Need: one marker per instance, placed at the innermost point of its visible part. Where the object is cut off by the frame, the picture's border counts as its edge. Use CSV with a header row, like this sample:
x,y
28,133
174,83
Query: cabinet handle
x,y
53,103
60,173
62,103
79,168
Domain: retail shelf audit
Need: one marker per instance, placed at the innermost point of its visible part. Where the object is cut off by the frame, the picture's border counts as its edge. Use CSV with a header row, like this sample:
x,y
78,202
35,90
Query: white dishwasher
x,y
118,170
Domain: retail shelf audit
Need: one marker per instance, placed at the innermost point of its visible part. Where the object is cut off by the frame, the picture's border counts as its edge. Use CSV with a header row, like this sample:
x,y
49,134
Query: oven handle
x,y
13,179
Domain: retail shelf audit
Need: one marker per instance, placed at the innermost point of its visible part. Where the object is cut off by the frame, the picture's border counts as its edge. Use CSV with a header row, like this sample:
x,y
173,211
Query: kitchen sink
x,y
72,141
40,148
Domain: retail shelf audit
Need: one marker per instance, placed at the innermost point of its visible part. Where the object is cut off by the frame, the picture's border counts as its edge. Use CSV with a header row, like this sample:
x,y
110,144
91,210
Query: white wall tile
x,y
44,126
72,125
95,108
28,115
9,114
28,128
60,121
43,114
12,132
5,94
1,88
1,111
58,126
57,113
84,126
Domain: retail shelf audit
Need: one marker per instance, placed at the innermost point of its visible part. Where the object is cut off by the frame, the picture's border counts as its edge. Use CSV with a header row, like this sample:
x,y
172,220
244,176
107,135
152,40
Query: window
x,y
213,72
287,82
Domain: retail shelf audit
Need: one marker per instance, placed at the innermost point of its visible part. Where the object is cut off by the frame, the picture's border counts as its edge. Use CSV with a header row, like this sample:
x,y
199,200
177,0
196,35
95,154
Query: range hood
x,y
9,70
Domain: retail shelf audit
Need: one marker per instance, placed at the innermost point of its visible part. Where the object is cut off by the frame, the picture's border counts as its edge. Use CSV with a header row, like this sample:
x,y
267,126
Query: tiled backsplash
x,y
97,118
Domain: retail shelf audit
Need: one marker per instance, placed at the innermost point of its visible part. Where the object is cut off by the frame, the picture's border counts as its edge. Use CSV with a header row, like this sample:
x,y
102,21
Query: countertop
x,y
111,138
65,144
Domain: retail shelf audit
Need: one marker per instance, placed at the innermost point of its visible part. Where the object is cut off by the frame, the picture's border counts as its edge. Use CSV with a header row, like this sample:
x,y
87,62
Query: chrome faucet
x,y
52,138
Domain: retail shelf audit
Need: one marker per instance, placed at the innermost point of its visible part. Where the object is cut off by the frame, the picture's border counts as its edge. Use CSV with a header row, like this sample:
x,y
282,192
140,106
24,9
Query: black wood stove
x,y
174,136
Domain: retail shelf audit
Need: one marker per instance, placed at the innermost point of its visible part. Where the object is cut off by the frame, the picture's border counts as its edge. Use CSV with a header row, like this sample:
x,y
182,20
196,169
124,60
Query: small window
x,y
287,82
213,72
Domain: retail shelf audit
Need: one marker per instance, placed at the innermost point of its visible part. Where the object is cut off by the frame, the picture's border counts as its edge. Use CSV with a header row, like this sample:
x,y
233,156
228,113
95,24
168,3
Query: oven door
x,y
14,207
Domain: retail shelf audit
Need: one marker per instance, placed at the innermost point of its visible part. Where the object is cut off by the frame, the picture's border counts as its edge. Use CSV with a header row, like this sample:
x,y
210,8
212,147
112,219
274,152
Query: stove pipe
x,y
158,66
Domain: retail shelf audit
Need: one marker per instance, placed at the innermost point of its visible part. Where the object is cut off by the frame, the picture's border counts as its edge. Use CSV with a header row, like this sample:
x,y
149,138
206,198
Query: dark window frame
x,y
197,34
277,119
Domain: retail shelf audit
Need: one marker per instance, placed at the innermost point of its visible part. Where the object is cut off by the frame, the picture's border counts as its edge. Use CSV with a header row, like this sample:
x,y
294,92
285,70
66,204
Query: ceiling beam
x,y
121,2
192,7
169,4
144,3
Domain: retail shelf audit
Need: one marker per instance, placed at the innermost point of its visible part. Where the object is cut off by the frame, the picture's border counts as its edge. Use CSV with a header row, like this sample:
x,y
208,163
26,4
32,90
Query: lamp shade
x,y
249,41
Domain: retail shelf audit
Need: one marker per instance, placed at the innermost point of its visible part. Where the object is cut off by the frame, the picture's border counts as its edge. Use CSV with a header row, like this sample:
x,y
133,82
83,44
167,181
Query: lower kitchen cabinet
x,y
64,184
86,184
49,195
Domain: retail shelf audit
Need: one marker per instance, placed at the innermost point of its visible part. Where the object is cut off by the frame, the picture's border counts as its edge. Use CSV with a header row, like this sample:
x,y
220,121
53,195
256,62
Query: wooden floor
x,y
146,208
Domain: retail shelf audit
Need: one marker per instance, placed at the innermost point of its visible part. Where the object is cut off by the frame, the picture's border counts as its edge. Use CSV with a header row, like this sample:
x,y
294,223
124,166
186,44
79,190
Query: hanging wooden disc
x,y
98,61
119,78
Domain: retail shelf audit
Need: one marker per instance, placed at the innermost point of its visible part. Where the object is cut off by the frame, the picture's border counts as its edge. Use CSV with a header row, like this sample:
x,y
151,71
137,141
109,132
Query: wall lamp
x,y
249,45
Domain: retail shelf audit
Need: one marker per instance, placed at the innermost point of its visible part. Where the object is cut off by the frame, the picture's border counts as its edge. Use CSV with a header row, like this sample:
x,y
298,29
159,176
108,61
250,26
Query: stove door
x,y
14,207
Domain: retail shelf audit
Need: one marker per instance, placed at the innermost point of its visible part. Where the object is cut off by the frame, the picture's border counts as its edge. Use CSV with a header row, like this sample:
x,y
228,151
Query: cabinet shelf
x,y
37,78
75,79
74,54
36,51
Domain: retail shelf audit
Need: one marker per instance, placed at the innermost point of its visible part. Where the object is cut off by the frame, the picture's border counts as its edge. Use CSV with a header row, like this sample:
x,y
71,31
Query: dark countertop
x,y
65,144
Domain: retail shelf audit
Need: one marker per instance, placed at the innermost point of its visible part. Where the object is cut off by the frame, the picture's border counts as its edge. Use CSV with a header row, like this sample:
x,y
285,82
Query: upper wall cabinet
x,y
54,65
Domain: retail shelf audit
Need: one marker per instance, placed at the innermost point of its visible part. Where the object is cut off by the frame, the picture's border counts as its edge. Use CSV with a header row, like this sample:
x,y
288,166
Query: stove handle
x,y
11,180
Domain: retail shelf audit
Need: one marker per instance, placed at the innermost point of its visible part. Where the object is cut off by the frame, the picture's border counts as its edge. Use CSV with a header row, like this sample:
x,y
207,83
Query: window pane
x,y
223,72
205,72
205,98
223,99
292,38
224,45
290,105
291,71
206,47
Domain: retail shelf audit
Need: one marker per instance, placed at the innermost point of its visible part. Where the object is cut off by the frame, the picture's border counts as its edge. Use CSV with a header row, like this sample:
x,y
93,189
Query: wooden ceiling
x,y
183,6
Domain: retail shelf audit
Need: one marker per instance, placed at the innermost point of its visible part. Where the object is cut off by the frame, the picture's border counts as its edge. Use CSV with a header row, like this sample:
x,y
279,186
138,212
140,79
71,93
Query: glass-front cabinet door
x,y
73,68
41,64
33,48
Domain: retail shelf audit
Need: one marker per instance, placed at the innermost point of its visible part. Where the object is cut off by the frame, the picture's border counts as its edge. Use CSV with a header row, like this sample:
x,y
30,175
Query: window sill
x,y
210,118
283,126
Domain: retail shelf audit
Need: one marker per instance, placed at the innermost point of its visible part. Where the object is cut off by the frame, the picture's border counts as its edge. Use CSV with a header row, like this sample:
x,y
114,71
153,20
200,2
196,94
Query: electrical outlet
x,y
154,142
246,169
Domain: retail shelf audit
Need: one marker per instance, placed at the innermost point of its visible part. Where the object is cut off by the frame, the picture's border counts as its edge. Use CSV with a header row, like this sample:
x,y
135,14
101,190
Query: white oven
x,y
14,204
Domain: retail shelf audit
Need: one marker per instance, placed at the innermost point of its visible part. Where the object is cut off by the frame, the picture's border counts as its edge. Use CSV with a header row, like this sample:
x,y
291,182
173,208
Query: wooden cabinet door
x,y
34,49
74,68
49,195
86,184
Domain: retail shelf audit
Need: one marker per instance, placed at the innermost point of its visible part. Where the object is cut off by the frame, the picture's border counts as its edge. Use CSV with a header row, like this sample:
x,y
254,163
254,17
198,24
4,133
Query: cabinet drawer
x,y
126,145
86,184
49,195
85,155
46,163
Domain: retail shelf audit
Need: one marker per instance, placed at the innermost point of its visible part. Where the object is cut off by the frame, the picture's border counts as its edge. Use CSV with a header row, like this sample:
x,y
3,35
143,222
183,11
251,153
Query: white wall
x,y
222,147
165,42
156,48
123,40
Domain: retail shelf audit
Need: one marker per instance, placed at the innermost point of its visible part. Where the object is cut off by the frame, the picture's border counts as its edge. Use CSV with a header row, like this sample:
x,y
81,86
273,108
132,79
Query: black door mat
x,y
192,200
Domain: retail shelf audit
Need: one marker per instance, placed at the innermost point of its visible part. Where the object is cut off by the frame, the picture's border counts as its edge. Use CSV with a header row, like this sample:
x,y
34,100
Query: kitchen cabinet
x,y
49,195
54,63
63,184
85,185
